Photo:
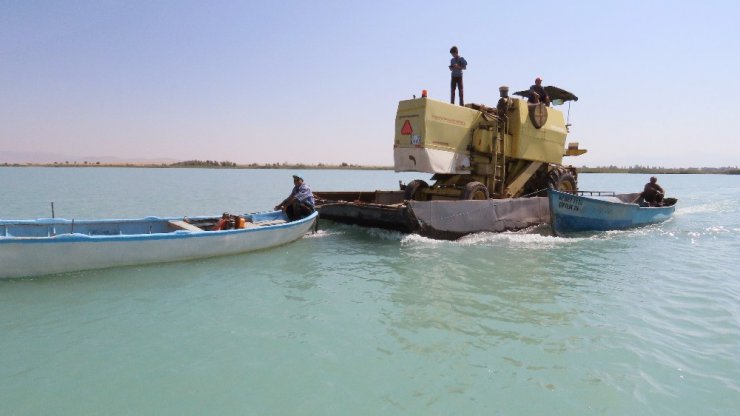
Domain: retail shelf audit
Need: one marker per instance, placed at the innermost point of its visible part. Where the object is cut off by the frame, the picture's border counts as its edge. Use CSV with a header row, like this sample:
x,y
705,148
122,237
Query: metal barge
x,y
437,219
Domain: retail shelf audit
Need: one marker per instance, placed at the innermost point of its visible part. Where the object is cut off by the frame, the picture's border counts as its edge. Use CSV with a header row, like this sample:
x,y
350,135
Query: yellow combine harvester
x,y
478,152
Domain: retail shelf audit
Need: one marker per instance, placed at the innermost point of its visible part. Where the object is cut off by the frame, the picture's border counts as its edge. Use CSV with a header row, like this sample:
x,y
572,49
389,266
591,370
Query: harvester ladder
x,y
499,165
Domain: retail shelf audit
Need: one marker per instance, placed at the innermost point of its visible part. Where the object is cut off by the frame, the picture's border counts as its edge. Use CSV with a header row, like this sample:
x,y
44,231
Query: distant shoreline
x,y
663,171
203,165
346,166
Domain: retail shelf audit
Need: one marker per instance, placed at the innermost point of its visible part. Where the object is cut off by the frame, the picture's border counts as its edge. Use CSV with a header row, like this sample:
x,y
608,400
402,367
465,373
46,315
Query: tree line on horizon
x,y
213,164
658,169
584,169
276,165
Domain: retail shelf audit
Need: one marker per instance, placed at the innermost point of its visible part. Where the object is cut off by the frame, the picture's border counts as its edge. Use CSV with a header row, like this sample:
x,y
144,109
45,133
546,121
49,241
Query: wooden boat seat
x,y
266,223
182,225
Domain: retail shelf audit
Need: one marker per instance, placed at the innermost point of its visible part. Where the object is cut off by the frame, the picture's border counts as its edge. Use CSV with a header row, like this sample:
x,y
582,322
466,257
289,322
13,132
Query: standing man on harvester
x,y
457,65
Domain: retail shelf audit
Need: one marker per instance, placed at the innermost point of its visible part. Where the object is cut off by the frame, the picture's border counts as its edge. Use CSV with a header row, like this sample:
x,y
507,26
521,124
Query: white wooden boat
x,y
49,246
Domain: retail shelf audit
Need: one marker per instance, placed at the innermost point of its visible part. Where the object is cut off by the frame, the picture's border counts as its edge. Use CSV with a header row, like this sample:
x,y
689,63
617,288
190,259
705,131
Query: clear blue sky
x,y
319,82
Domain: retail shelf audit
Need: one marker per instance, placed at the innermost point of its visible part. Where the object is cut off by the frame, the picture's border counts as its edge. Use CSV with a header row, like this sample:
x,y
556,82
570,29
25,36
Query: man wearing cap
x,y
299,203
538,89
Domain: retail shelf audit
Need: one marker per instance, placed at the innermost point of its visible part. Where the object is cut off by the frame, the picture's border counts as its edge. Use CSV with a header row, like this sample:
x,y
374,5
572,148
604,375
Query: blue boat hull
x,y
573,213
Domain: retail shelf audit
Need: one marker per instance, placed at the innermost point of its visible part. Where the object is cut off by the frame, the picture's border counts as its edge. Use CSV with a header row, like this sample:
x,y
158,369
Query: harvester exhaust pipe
x,y
503,91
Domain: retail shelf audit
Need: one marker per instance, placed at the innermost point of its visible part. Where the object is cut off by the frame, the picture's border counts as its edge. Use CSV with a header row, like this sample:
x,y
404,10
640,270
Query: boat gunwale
x,y
603,201
173,235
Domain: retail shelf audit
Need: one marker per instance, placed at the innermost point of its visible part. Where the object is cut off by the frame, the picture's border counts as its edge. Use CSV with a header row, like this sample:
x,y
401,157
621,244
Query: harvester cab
x,y
478,152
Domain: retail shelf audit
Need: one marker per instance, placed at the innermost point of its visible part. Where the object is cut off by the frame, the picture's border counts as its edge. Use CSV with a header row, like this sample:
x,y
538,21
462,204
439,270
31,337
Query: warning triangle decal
x,y
406,129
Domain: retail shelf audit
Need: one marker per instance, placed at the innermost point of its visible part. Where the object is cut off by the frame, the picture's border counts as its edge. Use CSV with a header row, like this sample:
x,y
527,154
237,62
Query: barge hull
x,y
379,209
447,220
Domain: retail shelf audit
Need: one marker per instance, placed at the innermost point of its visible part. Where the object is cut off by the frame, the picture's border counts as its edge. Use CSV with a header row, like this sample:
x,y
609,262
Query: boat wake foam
x,y
716,207
320,234
517,239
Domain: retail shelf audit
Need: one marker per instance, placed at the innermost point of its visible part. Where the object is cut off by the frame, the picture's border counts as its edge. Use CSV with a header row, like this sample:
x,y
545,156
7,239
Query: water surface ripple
x,y
362,321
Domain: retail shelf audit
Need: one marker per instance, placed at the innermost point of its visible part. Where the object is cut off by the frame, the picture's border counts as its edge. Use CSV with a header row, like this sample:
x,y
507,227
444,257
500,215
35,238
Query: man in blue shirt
x,y
457,65
300,202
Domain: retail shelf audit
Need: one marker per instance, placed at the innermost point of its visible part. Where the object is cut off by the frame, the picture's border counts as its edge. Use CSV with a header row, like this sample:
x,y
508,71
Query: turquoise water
x,y
369,322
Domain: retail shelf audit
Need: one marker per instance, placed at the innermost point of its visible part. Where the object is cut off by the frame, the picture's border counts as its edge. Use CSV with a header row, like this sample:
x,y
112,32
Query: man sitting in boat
x,y
653,193
300,202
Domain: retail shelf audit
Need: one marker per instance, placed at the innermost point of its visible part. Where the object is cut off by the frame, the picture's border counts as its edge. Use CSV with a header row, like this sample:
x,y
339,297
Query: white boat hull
x,y
21,257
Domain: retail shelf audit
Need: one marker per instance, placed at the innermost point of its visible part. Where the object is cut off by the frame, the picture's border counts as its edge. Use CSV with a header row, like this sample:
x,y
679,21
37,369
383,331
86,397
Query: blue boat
x,y
570,213
55,245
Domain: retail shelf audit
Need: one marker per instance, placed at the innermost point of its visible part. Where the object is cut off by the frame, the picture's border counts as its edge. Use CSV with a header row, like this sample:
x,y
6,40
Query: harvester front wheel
x,y
475,191
413,189
562,180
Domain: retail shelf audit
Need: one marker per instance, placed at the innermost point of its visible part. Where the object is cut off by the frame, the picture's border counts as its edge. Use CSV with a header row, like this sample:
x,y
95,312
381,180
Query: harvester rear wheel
x,y
475,191
412,191
562,180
